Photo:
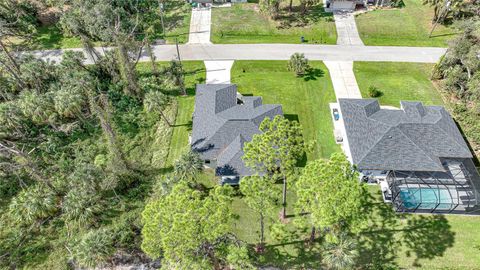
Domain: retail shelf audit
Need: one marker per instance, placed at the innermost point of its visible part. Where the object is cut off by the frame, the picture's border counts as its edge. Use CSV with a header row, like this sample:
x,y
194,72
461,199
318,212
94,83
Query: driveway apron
x,y
347,33
200,23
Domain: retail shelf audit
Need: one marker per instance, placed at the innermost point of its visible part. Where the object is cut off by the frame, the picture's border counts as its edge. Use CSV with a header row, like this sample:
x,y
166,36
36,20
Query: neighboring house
x,y
217,1
416,153
352,4
223,121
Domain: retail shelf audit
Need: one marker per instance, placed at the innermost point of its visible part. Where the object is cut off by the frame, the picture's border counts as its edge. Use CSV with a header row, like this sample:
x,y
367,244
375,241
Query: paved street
x,y
282,52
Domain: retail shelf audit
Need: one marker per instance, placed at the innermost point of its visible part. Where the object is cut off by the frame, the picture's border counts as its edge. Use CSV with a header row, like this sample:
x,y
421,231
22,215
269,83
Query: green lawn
x,y
243,23
177,25
398,81
419,241
177,22
194,73
305,99
407,26
51,37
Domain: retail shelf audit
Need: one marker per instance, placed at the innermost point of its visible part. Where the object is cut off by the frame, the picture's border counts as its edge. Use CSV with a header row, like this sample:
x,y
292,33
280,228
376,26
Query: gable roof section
x,y
413,138
221,125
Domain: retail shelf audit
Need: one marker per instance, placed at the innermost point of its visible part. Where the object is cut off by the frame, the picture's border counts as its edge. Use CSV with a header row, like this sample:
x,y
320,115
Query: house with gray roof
x,y
417,153
223,120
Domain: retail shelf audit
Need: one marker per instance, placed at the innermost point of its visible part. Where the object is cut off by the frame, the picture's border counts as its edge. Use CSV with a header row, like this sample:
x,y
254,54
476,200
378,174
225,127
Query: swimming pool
x,y
427,198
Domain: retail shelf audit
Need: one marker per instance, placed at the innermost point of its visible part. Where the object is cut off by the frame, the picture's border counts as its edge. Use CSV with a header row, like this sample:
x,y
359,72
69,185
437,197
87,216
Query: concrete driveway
x,y
343,79
200,23
218,72
347,33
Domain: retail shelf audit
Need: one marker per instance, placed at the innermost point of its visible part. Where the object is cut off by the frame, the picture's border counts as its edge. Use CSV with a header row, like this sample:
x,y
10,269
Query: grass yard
x,y
194,73
407,26
243,23
419,241
304,99
51,37
177,22
398,81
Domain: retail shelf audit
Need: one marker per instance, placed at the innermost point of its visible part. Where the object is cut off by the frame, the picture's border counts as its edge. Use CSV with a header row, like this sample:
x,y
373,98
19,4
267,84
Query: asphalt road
x,y
280,52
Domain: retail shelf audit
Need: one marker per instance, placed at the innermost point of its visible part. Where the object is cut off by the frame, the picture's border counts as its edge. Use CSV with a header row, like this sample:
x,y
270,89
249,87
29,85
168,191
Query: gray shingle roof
x,y
221,126
413,138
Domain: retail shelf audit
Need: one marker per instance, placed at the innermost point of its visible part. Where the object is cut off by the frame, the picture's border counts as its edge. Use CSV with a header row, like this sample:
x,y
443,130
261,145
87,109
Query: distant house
x,y
416,153
352,4
223,121
217,1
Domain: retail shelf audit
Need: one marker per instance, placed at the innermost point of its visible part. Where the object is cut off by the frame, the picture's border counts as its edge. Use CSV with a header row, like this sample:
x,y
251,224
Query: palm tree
x,y
175,74
188,165
340,254
298,64
69,103
156,101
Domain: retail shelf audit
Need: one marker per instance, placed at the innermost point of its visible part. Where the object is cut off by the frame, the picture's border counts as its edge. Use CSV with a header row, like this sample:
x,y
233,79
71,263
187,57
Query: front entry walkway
x,y
343,79
200,26
218,72
347,33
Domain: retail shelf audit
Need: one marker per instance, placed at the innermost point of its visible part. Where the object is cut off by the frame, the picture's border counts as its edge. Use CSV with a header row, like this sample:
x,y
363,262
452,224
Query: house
x,y
416,154
223,120
352,4
216,1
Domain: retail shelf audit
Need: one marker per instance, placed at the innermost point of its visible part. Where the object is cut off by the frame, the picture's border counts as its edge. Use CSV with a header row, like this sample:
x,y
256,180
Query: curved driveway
x,y
281,52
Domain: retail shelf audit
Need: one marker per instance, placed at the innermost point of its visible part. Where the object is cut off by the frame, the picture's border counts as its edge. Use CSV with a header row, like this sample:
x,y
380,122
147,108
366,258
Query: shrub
x,y
374,92
298,64
397,3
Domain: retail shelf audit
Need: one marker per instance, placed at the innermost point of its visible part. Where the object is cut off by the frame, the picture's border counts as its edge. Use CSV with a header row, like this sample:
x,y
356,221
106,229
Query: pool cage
x,y
455,189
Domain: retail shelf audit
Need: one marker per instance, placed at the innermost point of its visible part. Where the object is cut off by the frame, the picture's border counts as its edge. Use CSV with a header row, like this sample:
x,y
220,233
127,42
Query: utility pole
x,y
447,7
178,51
181,69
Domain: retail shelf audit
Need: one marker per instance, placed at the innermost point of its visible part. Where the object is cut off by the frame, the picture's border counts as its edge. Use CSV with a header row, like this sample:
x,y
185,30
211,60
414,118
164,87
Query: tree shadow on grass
x,y
294,252
295,18
422,236
312,74
378,246
188,125
427,237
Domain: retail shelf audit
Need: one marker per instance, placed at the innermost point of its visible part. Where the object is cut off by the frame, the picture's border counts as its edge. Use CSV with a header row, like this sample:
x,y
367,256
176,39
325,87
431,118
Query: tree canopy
x,y
330,192
276,150
186,228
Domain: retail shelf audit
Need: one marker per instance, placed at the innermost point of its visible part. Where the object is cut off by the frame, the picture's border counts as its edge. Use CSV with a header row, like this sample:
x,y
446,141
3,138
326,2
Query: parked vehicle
x,y
336,114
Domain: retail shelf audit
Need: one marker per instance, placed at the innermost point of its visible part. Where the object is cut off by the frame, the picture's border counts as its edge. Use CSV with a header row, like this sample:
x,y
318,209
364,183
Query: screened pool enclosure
x,y
456,189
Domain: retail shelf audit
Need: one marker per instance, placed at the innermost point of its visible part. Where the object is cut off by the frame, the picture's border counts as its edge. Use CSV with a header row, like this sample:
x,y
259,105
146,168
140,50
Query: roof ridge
x,y
229,144
448,135
425,154
421,147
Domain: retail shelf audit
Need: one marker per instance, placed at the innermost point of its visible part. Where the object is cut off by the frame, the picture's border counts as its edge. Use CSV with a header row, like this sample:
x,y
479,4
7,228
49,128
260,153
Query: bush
x,y
374,92
397,3
298,64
